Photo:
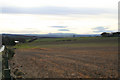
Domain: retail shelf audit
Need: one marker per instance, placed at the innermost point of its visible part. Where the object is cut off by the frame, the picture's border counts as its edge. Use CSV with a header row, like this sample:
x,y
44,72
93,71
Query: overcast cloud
x,y
59,26
101,29
63,30
53,10
53,16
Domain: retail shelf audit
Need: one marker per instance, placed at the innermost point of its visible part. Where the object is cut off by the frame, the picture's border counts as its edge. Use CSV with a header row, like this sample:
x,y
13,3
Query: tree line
x,y
7,40
114,34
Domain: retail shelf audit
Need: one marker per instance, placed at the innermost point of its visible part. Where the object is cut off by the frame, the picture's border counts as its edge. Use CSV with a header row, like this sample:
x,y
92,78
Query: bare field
x,y
66,62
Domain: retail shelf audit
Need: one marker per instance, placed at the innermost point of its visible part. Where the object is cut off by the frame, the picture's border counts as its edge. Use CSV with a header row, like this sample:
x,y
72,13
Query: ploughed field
x,y
66,58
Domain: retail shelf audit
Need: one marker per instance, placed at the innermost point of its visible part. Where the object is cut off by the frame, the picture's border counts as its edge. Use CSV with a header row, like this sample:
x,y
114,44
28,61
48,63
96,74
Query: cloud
x,y
29,28
53,10
101,29
63,30
59,26
23,31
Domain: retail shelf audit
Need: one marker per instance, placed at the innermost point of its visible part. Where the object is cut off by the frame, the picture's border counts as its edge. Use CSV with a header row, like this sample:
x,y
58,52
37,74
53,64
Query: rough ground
x,y
67,62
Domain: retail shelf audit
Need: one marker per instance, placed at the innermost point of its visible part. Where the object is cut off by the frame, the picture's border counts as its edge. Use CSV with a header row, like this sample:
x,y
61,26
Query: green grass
x,y
70,42
66,45
76,38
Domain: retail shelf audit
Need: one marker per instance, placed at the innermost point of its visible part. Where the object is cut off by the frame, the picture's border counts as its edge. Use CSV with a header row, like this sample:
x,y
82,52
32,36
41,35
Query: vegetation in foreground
x,y
88,57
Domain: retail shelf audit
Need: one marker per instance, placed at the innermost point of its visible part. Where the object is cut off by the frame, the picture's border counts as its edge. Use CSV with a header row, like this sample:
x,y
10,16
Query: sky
x,y
58,16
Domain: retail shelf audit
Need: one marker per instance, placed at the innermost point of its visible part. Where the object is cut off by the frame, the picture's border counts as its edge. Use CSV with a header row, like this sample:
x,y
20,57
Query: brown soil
x,y
81,62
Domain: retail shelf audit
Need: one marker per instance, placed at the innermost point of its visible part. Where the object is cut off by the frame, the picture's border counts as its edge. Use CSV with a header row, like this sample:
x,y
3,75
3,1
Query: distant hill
x,y
52,35
63,35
